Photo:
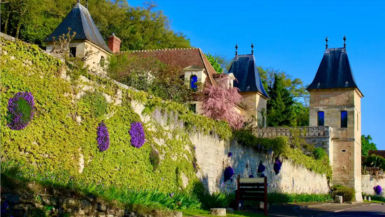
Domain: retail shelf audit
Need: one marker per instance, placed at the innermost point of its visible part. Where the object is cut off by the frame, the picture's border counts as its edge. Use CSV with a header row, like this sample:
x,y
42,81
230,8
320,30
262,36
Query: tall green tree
x,y
280,111
367,145
139,28
214,61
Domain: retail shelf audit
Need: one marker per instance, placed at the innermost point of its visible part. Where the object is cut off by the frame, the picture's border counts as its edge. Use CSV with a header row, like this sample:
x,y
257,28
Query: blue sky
x,y
290,36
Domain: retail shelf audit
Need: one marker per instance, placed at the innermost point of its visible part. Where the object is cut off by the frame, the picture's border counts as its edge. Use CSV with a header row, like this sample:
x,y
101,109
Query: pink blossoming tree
x,y
219,102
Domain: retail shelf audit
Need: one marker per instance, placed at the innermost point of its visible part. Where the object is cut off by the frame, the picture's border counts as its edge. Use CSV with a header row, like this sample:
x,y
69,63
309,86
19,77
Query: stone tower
x,y
335,101
249,83
87,43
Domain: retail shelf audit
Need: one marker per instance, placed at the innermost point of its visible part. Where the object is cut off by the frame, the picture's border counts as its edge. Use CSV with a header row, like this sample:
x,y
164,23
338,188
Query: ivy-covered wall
x,y
180,147
62,136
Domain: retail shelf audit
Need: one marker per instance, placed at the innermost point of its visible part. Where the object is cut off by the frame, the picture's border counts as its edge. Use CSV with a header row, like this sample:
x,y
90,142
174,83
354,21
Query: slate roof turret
x,y
334,71
81,22
245,70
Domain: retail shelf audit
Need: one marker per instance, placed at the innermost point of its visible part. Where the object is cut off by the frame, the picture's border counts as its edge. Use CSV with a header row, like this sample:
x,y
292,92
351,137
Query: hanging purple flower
x,y
21,108
229,172
378,189
229,154
277,166
251,176
103,137
137,134
261,167
262,175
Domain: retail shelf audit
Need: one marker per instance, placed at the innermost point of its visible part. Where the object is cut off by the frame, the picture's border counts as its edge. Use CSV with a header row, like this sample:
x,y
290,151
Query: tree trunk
x,y
6,22
18,28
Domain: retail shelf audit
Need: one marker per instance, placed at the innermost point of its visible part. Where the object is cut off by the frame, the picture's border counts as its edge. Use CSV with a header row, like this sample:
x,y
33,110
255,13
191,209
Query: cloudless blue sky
x,y
290,36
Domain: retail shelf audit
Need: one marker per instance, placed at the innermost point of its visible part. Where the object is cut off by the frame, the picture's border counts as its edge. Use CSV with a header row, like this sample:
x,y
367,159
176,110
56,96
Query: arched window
x,y
344,119
193,81
321,118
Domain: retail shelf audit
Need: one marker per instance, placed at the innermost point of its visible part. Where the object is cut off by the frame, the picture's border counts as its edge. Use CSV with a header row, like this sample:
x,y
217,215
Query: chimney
x,y
114,43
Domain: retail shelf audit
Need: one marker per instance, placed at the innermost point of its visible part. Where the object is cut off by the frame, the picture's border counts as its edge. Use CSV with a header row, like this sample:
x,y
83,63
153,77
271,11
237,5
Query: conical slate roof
x,y
334,71
80,21
246,72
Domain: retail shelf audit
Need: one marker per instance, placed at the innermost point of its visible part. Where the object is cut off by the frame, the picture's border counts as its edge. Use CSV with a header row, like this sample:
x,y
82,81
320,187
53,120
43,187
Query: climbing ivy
x,y
62,138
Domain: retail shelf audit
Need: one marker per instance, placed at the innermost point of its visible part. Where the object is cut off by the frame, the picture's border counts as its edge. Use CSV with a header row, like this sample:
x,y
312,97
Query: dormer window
x,y
344,119
321,118
193,82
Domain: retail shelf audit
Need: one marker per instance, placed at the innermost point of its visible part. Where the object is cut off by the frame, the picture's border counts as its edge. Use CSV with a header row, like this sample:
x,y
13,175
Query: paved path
x,y
327,209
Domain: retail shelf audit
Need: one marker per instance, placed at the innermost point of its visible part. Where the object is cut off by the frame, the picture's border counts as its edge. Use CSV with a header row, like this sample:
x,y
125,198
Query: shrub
x,y
277,166
21,109
378,189
375,161
229,172
97,103
347,193
137,134
319,153
297,198
103,137
154,159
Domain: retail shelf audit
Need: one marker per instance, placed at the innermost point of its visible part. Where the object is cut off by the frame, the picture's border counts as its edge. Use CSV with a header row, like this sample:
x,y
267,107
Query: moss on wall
x,y
61,138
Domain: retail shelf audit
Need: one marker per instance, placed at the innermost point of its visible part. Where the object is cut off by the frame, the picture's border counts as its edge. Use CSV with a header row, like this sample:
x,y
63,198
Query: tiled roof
x,y
246,72
181,57
334,71
80,21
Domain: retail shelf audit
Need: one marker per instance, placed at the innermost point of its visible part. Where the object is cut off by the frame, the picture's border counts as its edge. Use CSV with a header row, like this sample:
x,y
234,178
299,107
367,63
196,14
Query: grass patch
x,y
12,178
278,198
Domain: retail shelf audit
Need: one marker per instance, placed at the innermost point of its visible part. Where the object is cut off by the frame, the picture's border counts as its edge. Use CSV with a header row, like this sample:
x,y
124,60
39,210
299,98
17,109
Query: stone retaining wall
x,y
368,182
212,157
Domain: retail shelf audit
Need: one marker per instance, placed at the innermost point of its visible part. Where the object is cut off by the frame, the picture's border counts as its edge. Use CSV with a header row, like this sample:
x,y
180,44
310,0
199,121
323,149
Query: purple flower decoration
x,y
137,134
229,172
229,154
103,137
261,167
277,166
262,175
251,176
21,109
378,189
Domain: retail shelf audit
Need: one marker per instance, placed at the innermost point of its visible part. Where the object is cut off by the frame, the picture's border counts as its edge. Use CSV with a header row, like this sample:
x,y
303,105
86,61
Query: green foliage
x,y
367,145
138,27
96,103
214,200
150,75
280,110
278,198
281,146
25,109
295,90
347,193
375,161
54,141
154,159
214,61
319,153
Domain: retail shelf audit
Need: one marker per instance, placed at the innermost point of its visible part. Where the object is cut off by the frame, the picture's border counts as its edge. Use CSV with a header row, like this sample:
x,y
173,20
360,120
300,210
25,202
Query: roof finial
x,y
326,42
236,49
78,1
87,4
344,41
252,48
